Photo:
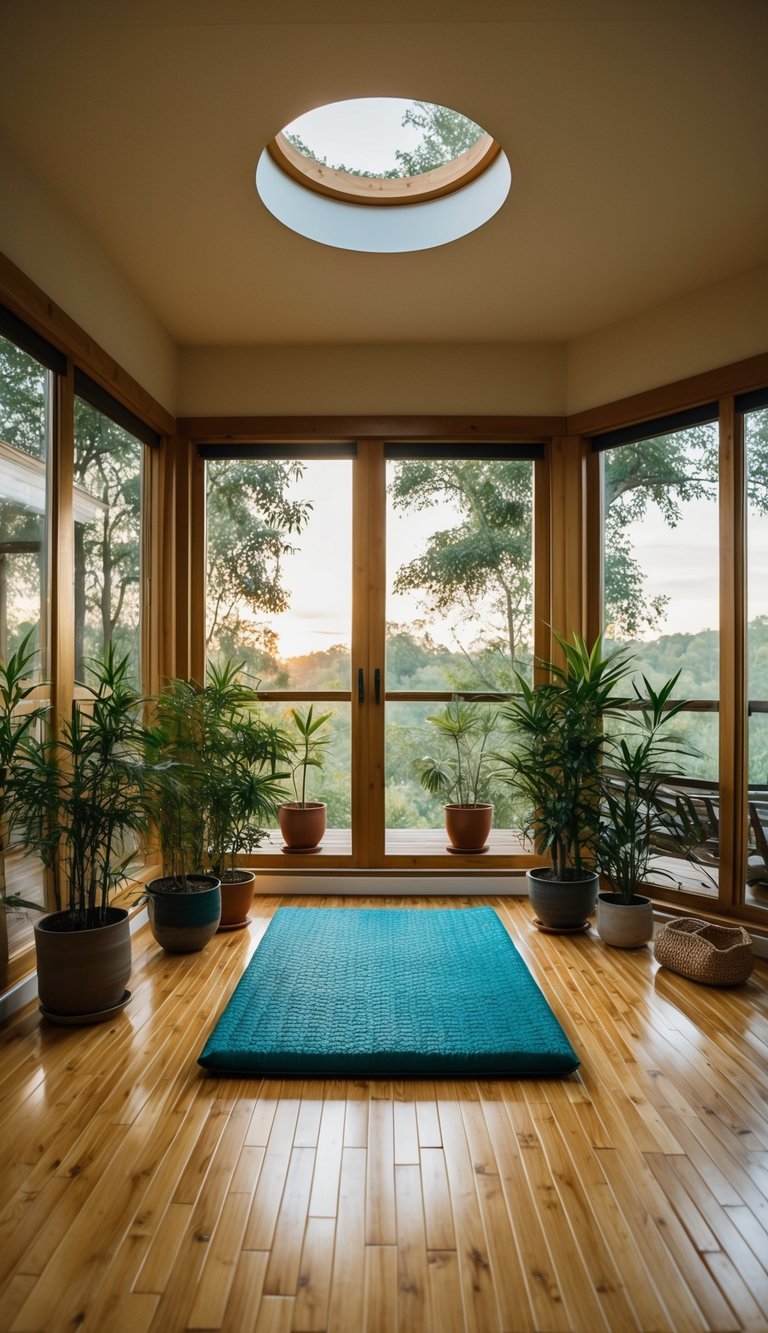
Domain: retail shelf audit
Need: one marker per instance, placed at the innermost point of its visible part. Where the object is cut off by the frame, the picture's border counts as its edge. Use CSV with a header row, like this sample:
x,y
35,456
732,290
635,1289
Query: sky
x,y
361,133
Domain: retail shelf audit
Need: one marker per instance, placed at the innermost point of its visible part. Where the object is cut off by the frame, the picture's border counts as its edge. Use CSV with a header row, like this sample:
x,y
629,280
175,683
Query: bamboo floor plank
x,y
137,1192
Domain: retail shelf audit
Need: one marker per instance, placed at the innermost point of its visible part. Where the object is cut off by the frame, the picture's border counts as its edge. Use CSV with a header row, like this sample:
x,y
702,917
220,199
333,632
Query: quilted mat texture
x,y
387,992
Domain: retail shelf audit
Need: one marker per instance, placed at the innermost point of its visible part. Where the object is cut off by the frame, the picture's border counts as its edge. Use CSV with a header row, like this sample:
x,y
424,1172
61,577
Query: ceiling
x,y
636,131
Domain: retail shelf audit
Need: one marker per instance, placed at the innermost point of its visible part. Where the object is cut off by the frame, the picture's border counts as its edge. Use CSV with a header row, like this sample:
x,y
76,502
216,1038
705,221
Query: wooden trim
x,y
733,680
62,571
567,518
31,304
542,563
197,566
369,640
595,527
371,190
333,429
739,377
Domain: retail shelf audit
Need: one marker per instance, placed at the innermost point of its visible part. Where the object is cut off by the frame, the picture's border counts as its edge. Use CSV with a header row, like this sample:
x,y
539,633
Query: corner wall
x,y
52,249
698,332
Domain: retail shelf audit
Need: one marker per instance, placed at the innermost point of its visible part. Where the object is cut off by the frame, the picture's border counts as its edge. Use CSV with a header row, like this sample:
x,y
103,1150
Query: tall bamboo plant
x,y
217,772
20,716
79,801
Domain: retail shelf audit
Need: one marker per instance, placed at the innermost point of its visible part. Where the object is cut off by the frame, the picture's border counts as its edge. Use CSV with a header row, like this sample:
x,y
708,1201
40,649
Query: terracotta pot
x,y
468,826
82,973
624,925
184,921
562,904
302,826
236,898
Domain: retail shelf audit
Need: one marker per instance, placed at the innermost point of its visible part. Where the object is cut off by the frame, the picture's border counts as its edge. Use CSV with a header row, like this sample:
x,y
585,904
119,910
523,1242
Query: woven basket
x,y
715,955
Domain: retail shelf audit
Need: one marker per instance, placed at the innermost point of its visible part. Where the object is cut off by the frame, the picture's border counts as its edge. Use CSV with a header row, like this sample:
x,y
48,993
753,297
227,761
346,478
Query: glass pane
x,y
459,573
756,441
279,559
661,562
332,782
25,397
24,438
107,511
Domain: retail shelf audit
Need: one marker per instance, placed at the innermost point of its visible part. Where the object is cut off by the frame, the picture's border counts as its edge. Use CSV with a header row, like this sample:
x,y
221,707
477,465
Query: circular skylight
x,y
321,174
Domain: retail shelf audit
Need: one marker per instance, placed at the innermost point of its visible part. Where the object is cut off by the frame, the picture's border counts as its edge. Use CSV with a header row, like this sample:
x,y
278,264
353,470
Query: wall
x,y
695,333
435,378
52,249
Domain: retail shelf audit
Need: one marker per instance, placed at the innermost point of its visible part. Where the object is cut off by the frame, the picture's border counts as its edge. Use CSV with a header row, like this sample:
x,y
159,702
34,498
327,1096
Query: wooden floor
x,y
139,1194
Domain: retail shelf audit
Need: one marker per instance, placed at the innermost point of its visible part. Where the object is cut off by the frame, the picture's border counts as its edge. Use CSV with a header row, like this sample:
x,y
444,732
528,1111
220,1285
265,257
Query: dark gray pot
x,y
562,904
82,973
184,922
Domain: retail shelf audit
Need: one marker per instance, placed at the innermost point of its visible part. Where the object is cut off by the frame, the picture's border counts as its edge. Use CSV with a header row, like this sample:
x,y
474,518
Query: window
x,y
661,596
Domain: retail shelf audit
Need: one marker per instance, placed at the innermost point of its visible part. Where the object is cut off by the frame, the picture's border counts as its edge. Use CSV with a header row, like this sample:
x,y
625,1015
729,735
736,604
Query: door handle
x,y
377,685
360,685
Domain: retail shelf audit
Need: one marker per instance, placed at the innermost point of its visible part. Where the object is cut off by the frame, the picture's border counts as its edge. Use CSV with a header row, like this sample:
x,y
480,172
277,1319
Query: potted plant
x,y
19,717
460,773
302,822
78,804
558,739
213,777
633,815
243,761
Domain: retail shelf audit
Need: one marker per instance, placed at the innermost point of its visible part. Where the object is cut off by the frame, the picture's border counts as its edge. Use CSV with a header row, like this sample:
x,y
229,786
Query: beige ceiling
x,y
637,132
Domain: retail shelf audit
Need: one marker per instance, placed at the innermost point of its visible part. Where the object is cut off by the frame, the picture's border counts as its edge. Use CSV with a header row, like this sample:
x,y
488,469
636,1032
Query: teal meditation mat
x,y
378,992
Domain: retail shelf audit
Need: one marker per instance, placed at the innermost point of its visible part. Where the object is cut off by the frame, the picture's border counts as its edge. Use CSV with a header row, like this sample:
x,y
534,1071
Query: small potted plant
x,y
302,822
460,773
557,743
19,717
78,804
633,817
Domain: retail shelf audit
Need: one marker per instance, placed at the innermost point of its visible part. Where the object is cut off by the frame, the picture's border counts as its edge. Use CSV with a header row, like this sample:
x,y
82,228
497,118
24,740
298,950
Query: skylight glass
x,y
382,137
382,174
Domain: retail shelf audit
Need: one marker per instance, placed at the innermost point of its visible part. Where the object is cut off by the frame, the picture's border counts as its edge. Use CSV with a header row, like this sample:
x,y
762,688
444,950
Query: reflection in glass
x,y
279,560
661,569
107,515
459,573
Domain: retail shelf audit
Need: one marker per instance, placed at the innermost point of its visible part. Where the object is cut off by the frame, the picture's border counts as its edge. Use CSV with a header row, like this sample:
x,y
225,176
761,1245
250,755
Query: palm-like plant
x,y
636,767
460,772
310,750
558,742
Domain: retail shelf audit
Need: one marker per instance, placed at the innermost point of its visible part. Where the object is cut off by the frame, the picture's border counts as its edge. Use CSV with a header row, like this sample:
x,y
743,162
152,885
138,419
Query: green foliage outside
x,y
446,134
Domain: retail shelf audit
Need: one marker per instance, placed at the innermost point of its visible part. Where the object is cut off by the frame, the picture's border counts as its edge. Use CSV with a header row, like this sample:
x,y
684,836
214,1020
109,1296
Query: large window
x,y
107,542
661,554
756,454
25,439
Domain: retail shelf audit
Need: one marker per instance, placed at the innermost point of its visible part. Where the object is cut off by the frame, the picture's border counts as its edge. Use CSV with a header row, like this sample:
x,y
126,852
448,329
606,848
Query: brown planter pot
x,y
82,973
302,826
468,826
562,904
624,925
236,898
184,922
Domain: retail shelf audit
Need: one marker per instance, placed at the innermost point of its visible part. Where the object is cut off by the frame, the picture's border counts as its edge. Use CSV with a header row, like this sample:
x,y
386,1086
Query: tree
x,y
482,566
250,518
446,134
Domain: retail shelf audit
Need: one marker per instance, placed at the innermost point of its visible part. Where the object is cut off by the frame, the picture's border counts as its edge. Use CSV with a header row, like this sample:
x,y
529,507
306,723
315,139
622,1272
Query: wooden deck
x,y
139,1194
